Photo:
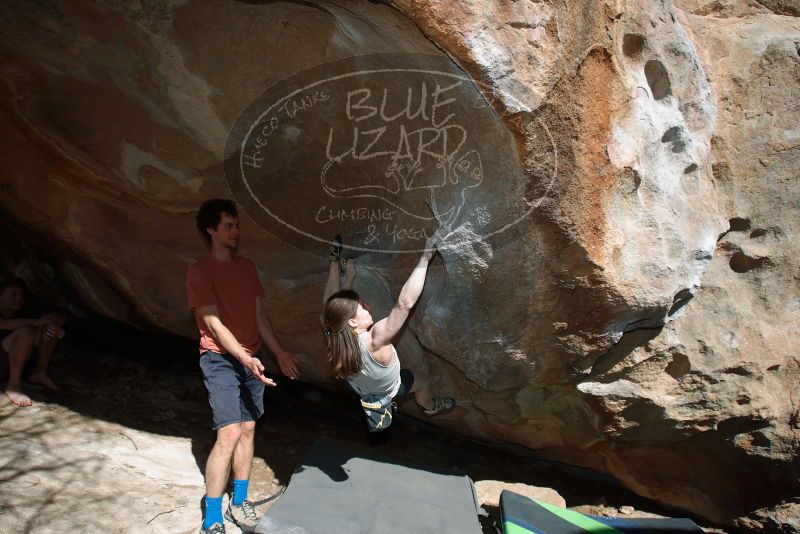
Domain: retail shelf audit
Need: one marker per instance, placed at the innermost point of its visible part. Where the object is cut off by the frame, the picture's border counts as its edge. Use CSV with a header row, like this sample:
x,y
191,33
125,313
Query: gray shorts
x,y
234,394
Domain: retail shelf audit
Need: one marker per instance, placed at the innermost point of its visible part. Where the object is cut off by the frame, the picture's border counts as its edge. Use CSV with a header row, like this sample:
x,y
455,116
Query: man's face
x,y
227,231
12,298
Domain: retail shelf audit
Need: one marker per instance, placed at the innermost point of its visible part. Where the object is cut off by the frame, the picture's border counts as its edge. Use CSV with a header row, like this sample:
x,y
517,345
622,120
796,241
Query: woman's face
x,y
363,317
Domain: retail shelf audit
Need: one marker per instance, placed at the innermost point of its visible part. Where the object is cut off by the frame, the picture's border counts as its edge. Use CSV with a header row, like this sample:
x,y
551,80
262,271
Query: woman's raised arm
x,y
384,330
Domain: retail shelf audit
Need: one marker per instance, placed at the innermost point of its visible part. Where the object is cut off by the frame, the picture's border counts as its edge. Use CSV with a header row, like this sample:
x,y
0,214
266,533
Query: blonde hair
x,y
342,342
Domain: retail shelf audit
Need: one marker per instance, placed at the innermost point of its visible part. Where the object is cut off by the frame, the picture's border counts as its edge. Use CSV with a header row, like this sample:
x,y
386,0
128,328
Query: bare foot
x,y
44,380
18,398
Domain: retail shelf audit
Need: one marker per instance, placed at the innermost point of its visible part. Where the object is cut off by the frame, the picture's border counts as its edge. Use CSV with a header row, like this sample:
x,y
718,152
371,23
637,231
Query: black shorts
x,y
235,395
406,382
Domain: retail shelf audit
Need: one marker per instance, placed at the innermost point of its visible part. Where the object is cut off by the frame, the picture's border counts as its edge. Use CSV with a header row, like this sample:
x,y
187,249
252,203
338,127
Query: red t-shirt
x,y
233,287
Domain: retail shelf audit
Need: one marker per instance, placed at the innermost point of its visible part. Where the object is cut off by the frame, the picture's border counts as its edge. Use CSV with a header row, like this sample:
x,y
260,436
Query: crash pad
x,y
523,515
343,488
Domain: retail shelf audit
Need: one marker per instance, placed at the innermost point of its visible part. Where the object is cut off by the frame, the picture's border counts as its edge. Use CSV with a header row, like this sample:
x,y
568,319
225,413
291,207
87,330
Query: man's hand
x,y
288,364
257,368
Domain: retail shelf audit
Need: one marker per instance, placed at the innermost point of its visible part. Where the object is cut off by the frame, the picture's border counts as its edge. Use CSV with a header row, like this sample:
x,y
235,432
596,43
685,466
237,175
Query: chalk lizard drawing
x,y
405,175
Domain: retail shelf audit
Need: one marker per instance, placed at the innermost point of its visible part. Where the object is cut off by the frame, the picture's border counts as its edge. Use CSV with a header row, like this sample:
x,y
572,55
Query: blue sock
x,y
213,511
239,491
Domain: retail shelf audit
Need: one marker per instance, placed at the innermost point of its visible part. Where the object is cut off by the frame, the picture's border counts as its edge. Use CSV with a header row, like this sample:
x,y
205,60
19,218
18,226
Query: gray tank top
x,y
375,378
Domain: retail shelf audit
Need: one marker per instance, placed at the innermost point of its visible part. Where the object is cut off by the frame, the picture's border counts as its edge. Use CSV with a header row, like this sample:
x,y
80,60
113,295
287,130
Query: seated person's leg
x,y
18,346
46,339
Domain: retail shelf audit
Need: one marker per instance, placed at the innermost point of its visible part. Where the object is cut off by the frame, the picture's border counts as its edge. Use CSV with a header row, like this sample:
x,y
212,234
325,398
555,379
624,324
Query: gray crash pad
x,y
340,488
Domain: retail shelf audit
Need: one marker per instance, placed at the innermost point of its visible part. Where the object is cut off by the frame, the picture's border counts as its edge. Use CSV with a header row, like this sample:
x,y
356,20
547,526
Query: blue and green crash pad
x,y
341,488
522,515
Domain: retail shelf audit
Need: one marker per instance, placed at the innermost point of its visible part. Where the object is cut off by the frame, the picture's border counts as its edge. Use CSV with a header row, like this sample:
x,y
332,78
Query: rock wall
x,y
640,321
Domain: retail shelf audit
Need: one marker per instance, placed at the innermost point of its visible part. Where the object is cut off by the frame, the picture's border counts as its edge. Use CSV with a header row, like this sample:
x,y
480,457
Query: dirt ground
x,y
122,448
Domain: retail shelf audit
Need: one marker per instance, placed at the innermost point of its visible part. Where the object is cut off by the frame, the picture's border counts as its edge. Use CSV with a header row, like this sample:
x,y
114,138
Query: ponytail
x,y
342,342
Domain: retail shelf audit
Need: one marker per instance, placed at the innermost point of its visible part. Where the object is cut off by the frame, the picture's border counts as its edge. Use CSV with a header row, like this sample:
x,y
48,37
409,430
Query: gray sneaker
x,y
243,516
216,528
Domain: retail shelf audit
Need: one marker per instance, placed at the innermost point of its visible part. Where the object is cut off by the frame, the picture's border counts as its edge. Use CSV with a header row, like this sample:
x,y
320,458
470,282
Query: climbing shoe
x,y
441,406
216,528
243,516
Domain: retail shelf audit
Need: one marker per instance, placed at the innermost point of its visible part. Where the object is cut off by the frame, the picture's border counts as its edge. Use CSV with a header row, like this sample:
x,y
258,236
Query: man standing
x,y
225,294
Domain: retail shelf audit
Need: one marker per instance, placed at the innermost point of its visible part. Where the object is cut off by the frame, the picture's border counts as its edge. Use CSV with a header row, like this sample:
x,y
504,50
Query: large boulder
x,y
639,319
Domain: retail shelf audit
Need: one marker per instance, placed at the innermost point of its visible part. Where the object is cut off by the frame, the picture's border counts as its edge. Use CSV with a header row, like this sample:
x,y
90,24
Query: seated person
x,y
24,334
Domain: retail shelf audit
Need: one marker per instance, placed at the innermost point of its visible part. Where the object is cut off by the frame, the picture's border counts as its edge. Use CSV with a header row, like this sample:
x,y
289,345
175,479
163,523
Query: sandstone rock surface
x,y
488,492
66,471
641,321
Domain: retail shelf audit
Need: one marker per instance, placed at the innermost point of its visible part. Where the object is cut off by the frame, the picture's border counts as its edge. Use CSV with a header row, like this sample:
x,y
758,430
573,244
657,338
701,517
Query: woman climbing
x,y
361,351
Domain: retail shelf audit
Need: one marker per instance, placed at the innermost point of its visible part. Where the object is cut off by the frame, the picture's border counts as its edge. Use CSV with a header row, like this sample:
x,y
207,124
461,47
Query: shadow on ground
x,y
152,384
